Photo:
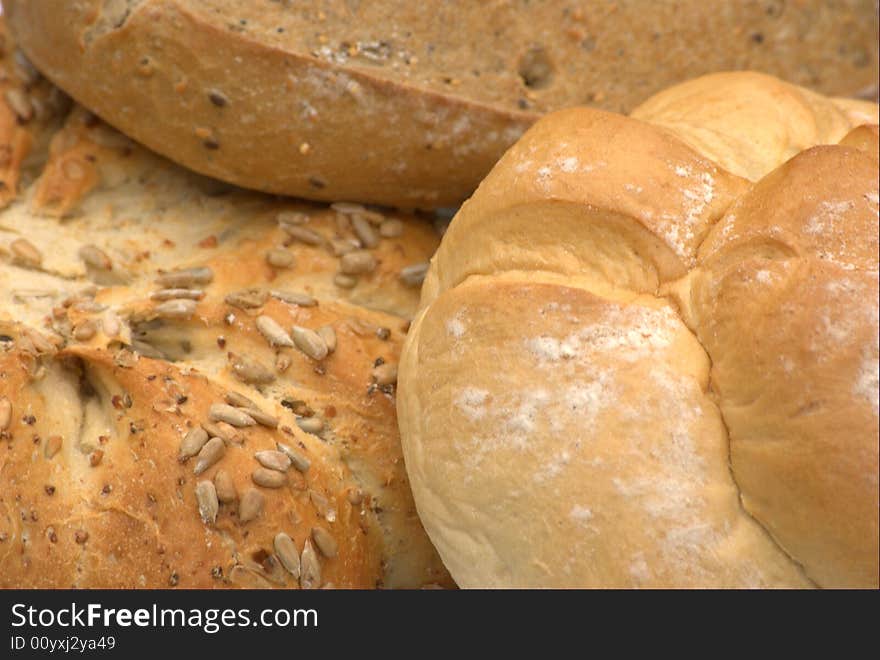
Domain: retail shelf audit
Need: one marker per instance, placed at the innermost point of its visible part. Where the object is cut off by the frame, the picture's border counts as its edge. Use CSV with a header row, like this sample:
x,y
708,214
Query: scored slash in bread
x,y
162,421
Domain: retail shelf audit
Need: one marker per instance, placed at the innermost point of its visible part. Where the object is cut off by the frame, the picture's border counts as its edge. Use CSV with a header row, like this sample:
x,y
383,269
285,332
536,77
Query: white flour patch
x,y
471,401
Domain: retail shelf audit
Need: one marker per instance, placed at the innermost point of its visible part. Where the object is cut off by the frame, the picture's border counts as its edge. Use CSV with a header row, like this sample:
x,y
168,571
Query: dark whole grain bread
x,y
407,103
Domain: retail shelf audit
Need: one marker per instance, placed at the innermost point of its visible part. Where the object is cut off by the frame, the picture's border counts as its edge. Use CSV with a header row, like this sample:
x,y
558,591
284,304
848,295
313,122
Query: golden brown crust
x,y
135,298
381,102
571,398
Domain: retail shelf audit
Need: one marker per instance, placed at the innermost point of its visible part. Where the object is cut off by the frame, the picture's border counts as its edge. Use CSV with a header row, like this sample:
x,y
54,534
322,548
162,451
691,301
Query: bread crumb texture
x,y
647,350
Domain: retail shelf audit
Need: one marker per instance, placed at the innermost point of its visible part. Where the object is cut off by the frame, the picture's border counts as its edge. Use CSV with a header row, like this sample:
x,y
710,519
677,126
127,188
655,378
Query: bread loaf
x,y
404,103
683,304
196,382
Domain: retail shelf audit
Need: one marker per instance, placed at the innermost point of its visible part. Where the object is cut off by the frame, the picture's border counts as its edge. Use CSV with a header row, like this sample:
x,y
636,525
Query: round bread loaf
x,y
407,103
647,350
196,383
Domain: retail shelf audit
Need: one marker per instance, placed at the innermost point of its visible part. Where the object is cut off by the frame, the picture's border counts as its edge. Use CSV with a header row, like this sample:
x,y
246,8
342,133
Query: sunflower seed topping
x,y
238,400
391,228
206,496
225,487
247,298
227,433
250,505
221,412
357,263
385,374
309,342
303,234
325,542
322,505
341,246
272,331
268,478
25,253
414,274
53,446
85,330
292,218
5,413
313,425
250,371
193,442
298,460
263,418
20,104
344,281
364,231
294,298
185,278
285,548
209,454
347,208
95,257
280,258
328,334
273,460
176,309
310,566
171,294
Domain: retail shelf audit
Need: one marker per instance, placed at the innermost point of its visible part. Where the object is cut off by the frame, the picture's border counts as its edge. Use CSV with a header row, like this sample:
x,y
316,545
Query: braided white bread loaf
x,y
647,350
196,382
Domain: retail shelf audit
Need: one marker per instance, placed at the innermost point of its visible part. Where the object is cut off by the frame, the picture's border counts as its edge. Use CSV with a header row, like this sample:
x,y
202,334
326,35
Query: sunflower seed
x,y
285,548
218,98
247,298
192,443
294,298
209,454
88,306
356,263
85,330
250,505
263,418
238,400
313,425
298,460
250,371
206,496
184,278
248,579
309,342
274,333
53,446
292,218
414,274
268,478
347,208
176,309
303,235
24,295
111,325
20,103
385,374
322,505
226,432
364,231
25,253
40,343
344,281
391,228
225,487
342,246
325,542
221,412
171,294
273,460
280,258
5,413
328,334
147,350
310,566
95,257
282,362
373,217
271,569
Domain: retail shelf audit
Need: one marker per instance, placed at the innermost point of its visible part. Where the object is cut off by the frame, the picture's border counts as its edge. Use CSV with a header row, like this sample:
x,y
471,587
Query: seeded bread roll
x,y
407,103
685,306
197,383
